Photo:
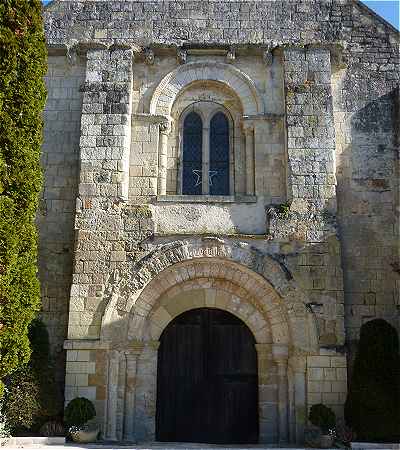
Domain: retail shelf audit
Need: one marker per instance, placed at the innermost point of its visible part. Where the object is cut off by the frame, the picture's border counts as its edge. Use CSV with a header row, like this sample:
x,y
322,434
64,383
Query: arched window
x,y
219,155
206,156
192,157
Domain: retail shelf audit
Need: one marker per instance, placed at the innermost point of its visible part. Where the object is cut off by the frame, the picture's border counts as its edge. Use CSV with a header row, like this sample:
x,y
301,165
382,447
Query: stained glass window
x,y
219,155
192,155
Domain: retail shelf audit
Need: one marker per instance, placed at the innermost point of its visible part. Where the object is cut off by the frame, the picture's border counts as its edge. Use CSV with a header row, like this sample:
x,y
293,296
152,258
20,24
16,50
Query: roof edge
x,y
380,19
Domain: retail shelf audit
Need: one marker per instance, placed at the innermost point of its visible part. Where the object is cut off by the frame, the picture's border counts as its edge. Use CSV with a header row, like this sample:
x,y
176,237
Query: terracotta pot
x,y
85,436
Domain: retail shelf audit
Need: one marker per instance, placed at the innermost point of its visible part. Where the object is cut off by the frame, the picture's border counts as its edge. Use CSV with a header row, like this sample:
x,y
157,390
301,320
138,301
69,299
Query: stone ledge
x,y
374,445
207,198
86,344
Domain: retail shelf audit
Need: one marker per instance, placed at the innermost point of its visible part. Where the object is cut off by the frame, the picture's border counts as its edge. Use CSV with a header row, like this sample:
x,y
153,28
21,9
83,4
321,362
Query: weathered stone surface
x,y
304,248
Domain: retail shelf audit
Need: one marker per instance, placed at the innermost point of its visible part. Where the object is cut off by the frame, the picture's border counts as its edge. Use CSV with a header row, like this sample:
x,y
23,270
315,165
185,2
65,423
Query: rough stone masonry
x,y
303,243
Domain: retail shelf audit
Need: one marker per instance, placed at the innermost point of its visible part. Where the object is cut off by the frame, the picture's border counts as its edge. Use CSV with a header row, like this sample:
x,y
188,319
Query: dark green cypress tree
x,y
372,407
22,98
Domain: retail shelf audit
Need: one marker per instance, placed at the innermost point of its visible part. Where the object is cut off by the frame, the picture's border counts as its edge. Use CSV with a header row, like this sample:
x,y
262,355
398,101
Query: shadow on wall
x,y
368,208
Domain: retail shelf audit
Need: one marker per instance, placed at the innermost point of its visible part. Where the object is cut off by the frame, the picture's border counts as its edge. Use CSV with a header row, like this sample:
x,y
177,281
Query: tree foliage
x,y
31,392
373,403
22,99
22,399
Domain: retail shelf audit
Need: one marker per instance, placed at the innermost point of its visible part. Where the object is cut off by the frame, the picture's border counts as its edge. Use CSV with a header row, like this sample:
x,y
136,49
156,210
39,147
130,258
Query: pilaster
x,y
310,128
105,125
103,184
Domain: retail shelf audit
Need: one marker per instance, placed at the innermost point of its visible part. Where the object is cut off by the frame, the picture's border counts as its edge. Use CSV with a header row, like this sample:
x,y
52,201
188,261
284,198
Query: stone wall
x,y
364,81
314,208
366,112
327,380
60,159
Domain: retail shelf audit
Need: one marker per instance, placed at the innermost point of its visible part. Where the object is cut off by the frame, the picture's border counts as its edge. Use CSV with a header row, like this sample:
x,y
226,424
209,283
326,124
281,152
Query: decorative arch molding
x,y
260,276
255,302
208,293
172,84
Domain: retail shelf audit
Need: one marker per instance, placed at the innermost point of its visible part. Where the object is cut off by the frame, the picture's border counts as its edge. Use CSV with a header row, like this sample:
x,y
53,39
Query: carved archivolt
x,y
254,278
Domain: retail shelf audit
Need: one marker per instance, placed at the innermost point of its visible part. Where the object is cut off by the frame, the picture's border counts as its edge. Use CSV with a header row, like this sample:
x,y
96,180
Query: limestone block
x,y
81,380
339,386
318,361
316,374
87,392
82,355
339,361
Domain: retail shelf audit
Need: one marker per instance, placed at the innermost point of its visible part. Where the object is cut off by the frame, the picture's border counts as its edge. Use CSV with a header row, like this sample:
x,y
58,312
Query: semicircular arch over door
x,y
207,384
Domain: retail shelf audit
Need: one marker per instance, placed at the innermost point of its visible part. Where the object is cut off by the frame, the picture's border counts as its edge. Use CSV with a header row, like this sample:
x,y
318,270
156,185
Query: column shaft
x,y
263,362
130,393
162,159
112,396
283,400
249,133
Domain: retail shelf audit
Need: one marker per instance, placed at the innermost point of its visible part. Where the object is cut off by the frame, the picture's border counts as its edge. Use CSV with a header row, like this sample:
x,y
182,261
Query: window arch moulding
x,y
172,84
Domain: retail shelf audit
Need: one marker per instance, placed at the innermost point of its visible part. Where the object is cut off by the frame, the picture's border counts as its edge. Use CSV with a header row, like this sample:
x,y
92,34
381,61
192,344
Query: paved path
x,y
156,446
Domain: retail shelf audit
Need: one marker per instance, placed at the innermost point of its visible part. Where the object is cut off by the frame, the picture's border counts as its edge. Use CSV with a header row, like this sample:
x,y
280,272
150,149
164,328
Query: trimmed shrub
x,y
22,98
372,407
323,417
79,411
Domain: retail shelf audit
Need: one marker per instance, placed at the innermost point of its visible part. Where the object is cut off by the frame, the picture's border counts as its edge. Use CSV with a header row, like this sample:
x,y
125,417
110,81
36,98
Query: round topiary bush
x,y
323,417
372,407
79,411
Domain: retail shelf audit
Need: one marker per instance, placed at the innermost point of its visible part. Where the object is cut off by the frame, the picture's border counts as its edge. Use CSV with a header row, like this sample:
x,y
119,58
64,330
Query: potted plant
x,y
77,413
323,417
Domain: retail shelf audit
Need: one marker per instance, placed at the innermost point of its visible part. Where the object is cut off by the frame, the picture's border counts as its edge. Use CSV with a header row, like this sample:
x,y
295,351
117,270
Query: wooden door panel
x,y
207,380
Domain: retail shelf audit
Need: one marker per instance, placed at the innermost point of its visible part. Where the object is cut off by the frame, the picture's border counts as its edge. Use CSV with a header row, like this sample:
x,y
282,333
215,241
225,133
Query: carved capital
x,y
248,127
298,363
231,55
181,56
149,56
268,55
154,345
134,349
165,127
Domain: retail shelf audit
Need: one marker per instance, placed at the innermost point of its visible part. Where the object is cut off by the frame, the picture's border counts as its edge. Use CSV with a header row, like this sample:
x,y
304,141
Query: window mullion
x,y
206,160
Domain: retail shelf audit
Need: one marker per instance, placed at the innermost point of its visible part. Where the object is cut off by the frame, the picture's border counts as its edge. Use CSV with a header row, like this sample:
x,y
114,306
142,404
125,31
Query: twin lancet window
x,y
205,155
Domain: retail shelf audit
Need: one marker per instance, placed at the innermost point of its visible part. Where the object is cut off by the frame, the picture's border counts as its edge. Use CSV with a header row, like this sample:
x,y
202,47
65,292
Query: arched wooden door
x,y
207,387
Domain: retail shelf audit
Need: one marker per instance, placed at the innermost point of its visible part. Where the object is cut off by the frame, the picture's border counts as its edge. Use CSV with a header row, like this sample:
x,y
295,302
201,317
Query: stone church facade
x,y
239,156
